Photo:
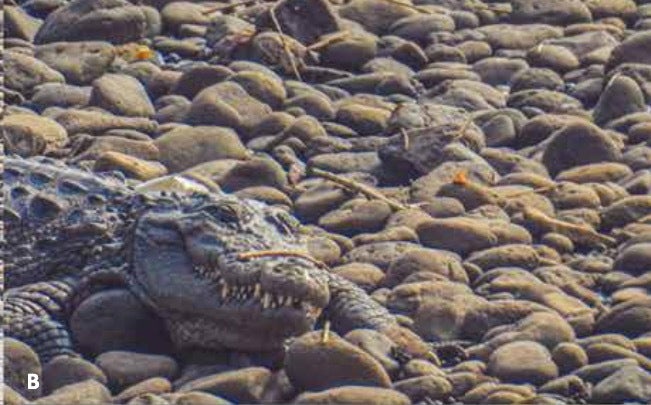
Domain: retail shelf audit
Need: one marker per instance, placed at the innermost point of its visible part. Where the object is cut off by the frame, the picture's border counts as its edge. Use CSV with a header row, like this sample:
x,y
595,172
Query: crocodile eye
x,y
228,213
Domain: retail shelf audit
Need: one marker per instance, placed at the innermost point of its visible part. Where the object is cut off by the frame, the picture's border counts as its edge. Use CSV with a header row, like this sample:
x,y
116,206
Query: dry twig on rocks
x,y
577,233
329,39
353,185
288,53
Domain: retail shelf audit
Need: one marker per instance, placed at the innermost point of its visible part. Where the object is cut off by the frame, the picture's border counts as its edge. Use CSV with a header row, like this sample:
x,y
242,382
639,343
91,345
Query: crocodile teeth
x,y
266,300
225,290
256,290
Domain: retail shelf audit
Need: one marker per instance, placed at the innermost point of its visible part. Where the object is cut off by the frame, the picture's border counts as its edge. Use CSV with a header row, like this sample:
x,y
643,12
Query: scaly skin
x,y
194,259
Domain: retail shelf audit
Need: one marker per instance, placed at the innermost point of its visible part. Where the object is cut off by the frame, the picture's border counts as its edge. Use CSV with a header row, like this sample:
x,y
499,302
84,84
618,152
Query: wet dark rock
x,y
423,149
123,321
307,21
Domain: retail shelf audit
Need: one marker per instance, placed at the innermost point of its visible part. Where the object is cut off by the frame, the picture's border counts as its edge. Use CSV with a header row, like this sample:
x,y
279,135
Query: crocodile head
x,y
225,272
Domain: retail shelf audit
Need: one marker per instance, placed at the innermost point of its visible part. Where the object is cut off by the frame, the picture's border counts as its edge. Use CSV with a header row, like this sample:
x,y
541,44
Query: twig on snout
x,y
256,254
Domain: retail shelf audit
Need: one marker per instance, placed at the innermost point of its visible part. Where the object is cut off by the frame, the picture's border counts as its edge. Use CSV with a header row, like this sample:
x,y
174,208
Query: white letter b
x,y
32,381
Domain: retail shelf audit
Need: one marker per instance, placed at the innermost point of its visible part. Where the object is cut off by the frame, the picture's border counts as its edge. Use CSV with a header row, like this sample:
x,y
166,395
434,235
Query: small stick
x,y
577,233
535,190
325,335
328,40
274,19
405,138
279,253
368,191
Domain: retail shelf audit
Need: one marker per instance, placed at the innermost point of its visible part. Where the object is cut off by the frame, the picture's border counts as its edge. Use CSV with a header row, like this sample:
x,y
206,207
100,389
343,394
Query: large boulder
x,y
577,144
115,21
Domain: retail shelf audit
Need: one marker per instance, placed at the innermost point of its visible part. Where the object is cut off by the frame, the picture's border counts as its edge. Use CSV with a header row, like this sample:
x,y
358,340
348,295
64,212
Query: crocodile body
x,y
221,272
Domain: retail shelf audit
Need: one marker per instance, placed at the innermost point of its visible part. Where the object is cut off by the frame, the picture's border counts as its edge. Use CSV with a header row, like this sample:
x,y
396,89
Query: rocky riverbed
x,y
480,168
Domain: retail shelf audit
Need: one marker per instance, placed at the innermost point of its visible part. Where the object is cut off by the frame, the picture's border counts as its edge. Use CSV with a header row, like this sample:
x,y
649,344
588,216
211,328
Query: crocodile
x,y
222,273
